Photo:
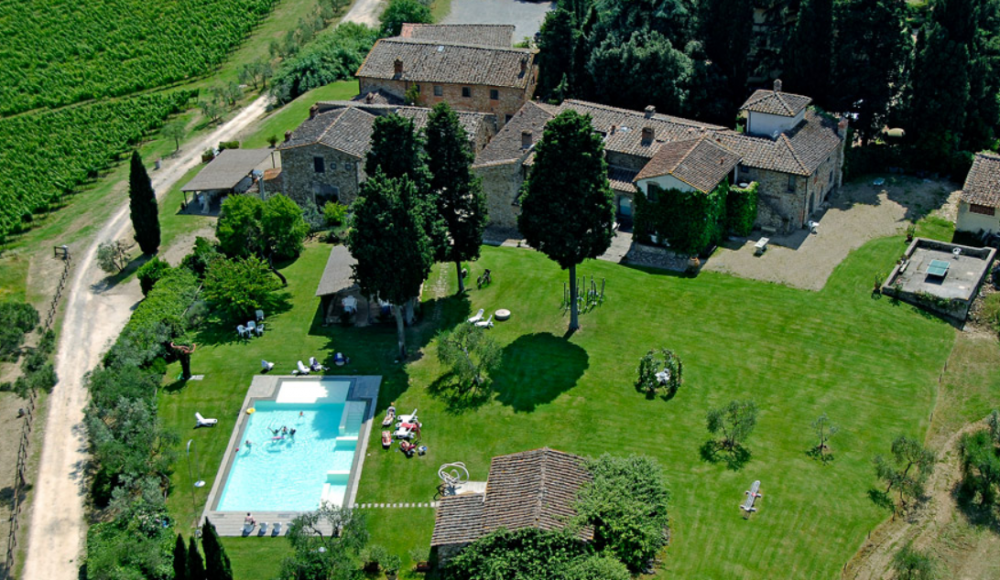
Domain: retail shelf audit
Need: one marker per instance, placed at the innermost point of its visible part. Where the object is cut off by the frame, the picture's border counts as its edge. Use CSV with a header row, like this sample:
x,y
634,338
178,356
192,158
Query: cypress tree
x,y
727,30
217,566
809,52
143,208
195,565
180,559
556,46
459,195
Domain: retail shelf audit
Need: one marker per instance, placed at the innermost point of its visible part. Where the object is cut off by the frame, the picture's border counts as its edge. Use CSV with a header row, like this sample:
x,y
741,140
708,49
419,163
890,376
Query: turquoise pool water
x,y
293,472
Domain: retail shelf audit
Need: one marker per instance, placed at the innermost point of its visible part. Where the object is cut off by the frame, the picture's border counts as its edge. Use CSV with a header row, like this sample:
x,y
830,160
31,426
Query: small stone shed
x,y
231,172
941,277
531,489
336,283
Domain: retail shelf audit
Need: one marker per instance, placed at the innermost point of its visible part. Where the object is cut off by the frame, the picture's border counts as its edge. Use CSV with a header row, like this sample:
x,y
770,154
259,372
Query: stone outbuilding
x,y
323,159
469,77
232,171
531,489
980,201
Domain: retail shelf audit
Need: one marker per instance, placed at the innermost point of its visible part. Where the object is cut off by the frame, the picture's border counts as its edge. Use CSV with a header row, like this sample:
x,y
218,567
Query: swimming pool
x,y
280,471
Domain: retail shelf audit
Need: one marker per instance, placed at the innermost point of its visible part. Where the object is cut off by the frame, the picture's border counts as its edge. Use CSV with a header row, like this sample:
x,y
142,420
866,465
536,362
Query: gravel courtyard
x,y
527,17
859,212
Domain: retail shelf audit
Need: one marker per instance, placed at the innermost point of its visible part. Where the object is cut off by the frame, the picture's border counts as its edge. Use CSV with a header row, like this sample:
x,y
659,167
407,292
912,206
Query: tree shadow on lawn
x,y
457,399
537,368
218,329
735,459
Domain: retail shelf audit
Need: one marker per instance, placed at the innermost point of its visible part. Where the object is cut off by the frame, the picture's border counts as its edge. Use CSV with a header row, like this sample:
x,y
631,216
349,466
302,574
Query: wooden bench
x,y
752,496
761,246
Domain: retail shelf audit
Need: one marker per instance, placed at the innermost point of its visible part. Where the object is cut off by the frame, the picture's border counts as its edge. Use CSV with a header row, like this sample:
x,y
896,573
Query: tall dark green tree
x,y
399,12
180,559
567,208
809,51
458,193
195,565
217,566
388,240
556,46
646,55
871,42
726,29
143,208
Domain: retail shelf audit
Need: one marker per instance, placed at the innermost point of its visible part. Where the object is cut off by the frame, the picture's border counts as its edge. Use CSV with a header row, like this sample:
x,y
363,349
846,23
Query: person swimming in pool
x,y
284,430
291,433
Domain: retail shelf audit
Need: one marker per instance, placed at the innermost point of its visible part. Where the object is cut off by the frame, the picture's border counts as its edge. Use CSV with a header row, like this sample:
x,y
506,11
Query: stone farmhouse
x,y
980,201
323,159
794,153
440,64
531,489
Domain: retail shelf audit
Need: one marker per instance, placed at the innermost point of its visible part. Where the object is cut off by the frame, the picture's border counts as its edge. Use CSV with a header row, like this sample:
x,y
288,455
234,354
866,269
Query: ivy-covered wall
x,y
688,221
741,209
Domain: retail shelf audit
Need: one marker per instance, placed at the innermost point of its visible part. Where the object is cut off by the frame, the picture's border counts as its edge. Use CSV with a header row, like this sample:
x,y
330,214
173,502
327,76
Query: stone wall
x,y
630,162
300,181
509,102
502,185
785,209
823,181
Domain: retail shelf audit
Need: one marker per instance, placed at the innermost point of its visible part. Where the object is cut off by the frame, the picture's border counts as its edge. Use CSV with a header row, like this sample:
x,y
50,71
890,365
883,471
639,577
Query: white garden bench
x,y
761,246
752,496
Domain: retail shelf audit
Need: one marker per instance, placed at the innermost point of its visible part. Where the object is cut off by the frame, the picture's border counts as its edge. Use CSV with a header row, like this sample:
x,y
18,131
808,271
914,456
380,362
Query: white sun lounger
x,y
276,529
403,433
203,422
407,418
488,323
303,369
263,529
247,528
477,317
314,364
266,366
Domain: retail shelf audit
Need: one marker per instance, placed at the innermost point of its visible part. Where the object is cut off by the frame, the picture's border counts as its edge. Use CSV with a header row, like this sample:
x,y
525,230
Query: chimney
x,y
777,85
525,139
613,129
650,111
524,65
398,67
647,135
313,110
842,127
288,136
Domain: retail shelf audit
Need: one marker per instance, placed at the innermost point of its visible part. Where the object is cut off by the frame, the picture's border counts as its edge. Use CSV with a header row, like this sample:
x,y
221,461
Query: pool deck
x,y
265,387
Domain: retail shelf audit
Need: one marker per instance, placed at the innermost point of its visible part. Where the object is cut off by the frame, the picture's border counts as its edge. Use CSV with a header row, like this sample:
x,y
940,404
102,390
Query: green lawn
x,y
871,365
291,115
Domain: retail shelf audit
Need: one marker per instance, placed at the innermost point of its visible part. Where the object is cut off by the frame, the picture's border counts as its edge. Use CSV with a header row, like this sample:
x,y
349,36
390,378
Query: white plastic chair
x,y
260,315
251,327
477,317
260,329
266,366
241,330
488,323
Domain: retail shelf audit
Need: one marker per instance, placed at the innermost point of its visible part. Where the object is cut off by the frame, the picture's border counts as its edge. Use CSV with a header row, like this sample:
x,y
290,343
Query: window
x,y
744,170
438,91
494,95
318,165
507,118
983,209
466,92
791,183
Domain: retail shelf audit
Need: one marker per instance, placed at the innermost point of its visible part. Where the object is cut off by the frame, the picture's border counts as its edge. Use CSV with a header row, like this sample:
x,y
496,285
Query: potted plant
x,y
878,284
372,556
390,565
694,264
911,230
420,561
272,140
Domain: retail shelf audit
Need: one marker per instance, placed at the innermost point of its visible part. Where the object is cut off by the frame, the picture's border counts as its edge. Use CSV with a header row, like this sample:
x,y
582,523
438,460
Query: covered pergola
x,y
231,172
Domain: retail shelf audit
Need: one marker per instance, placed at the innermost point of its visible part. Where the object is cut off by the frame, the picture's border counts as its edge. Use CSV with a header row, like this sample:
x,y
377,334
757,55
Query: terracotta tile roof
x,y
776,103
799,151
348,129
621,179
459,519
506,145
448,63
378,97
701,163
982,186
227,170
534,489
501,35
622,128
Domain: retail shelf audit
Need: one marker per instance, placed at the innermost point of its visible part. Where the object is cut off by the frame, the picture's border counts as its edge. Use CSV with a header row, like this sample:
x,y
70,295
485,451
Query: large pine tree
x,y
388,240
567,208
871,42
809,52
143,208
459,194
217,566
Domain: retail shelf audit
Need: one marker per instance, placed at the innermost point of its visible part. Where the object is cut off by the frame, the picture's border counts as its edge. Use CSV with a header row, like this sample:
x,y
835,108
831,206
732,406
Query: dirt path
x,y
94,317
923,526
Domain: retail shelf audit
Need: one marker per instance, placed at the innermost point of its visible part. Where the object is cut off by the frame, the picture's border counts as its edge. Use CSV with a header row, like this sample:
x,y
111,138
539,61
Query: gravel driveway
x,y
527,17
859,212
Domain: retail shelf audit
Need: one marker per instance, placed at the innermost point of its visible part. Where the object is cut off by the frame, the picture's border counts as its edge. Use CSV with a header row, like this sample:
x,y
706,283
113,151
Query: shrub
x,y
112,257
223,145
335,213
201,257
16,320
912,564
332,57
283,227
650,367
150,272
981,466
626,502
741,209
689,221
240,287
597,567
526,554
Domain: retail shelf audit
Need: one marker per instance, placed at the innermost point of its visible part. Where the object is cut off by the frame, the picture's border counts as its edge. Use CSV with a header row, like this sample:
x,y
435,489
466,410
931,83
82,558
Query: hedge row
x,y
689,221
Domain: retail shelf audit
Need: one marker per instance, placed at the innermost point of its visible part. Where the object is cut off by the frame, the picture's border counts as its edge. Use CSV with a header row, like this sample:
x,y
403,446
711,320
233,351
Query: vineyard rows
x,y
56,52
47,155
